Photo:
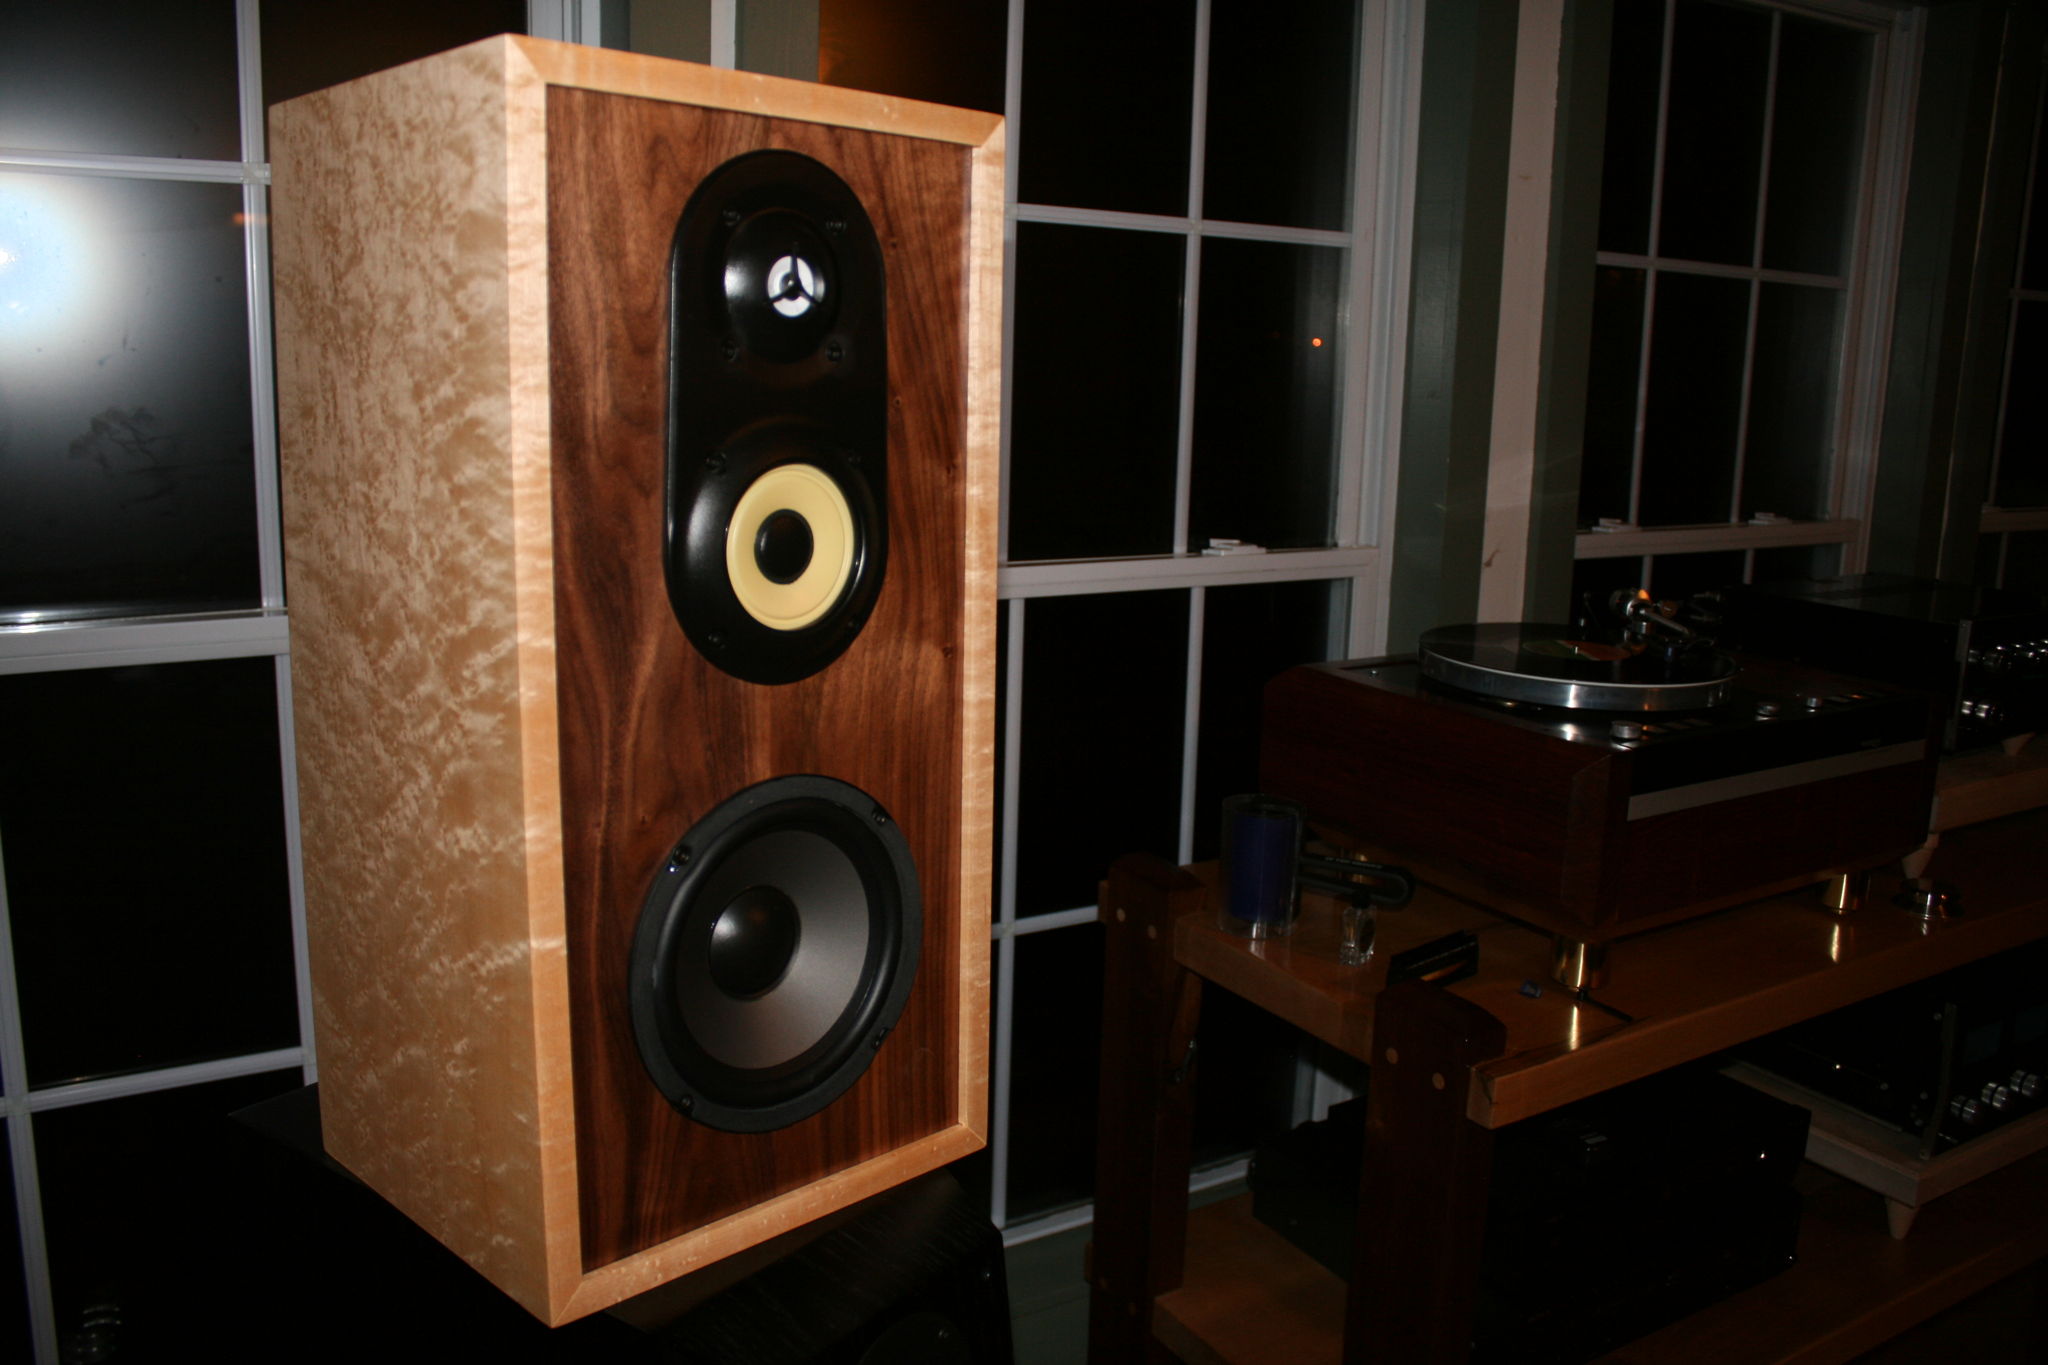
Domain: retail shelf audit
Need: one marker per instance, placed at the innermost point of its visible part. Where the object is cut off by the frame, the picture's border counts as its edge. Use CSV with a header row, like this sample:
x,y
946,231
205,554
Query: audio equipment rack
x,y
1452,1064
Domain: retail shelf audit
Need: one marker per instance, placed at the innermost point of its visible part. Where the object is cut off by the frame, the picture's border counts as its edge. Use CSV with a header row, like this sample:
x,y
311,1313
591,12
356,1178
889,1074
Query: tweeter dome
x,y
637,425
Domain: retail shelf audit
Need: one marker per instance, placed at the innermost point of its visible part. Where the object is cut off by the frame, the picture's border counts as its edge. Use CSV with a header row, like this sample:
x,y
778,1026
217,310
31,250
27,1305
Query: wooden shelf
x,y
1887,1161
1249,1297
1450,1065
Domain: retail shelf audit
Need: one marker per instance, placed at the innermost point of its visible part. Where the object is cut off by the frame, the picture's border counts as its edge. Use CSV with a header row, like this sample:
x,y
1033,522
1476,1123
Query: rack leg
x,y
1150,1004
1423,1191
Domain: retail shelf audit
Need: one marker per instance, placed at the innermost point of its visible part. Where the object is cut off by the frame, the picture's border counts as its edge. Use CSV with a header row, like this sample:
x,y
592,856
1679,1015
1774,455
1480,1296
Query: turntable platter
x,y
1555,665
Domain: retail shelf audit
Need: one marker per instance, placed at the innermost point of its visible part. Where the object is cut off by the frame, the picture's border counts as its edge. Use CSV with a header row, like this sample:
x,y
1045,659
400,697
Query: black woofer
x,y
775,950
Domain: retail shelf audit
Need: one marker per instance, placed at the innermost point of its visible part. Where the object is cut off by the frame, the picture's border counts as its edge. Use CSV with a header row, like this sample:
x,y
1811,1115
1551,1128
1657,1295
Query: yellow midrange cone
x,y
812,494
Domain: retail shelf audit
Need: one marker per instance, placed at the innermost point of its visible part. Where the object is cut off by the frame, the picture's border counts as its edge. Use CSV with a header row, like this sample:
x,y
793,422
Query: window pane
x,y
144,828
1100,772
2026,563
1695,398
1594,581
1096,392
126,462
1107,101
145,1202
1280,113
1054,1069
1816,145
944,51
1607,468
1677,577
1720,65
1251,633
1783,563
2034,270
1792,402
310,47
15,1339
126,78
1267,368
1629,161
2023,450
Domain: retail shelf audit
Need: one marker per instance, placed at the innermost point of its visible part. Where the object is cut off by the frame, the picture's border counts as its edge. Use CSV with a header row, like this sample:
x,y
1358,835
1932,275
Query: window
x,y
1199,302
2013,551
150,970
1749,197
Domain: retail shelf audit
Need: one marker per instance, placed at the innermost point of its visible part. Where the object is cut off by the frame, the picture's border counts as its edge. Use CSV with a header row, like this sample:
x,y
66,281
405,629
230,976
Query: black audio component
x,y
1982,651
1944,1060
1678,1188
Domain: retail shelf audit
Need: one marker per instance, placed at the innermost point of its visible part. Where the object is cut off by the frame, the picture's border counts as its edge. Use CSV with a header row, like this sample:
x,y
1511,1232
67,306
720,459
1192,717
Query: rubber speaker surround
x,y
731,1034
778,357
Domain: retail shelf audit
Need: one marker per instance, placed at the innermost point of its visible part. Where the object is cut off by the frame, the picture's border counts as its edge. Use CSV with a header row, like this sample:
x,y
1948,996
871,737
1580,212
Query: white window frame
x,y
1375,313
1869,284
260,632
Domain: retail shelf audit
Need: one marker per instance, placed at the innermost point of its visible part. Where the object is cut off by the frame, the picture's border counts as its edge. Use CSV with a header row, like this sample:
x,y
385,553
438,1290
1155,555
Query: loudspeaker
x,y
638,435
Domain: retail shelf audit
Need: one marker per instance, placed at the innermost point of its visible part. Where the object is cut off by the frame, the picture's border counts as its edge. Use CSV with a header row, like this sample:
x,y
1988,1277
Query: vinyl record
x,y
1557,665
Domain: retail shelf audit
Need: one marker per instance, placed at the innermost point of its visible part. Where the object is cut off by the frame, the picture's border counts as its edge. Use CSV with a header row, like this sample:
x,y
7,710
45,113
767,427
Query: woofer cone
x,y
775,950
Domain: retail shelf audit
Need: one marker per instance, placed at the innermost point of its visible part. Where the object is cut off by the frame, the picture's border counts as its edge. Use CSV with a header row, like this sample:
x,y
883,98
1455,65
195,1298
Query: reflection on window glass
x,y
309,47
1280,113
1266,376
1790,441
1095,392
1100,772
138,78
1250,633
145,1199
943,51
1713,150
145,862
1106,106
126,454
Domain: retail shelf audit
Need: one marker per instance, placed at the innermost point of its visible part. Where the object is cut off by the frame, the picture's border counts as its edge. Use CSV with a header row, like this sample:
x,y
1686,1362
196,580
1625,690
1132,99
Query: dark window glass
x,y
1816,145
1107,106
1095,389
1266,374
1279,112
1100,774
1792,402
1780,563
1250,633
15,1338
1595,581
144,827
1607,468
1695,394
2026,562
145,1201
1629,160
310,47
126,458
944,51
2034,269
123,78
1720,66
2023,449
1056,1021
1677,577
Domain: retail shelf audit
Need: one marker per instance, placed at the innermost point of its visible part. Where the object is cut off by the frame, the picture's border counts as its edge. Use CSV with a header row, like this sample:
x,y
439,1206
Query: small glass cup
x,y
1261,843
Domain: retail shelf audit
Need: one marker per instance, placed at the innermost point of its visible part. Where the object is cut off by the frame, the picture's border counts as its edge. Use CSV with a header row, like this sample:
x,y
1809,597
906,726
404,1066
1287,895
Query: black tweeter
x,y
777,534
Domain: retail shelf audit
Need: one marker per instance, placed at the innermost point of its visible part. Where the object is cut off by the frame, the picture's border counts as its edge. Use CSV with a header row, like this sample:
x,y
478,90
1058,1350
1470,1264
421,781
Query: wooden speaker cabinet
x,y
639,427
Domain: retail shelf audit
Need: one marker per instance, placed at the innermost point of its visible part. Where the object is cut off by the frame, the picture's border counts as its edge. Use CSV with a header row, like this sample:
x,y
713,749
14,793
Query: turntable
x,y
1600,783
